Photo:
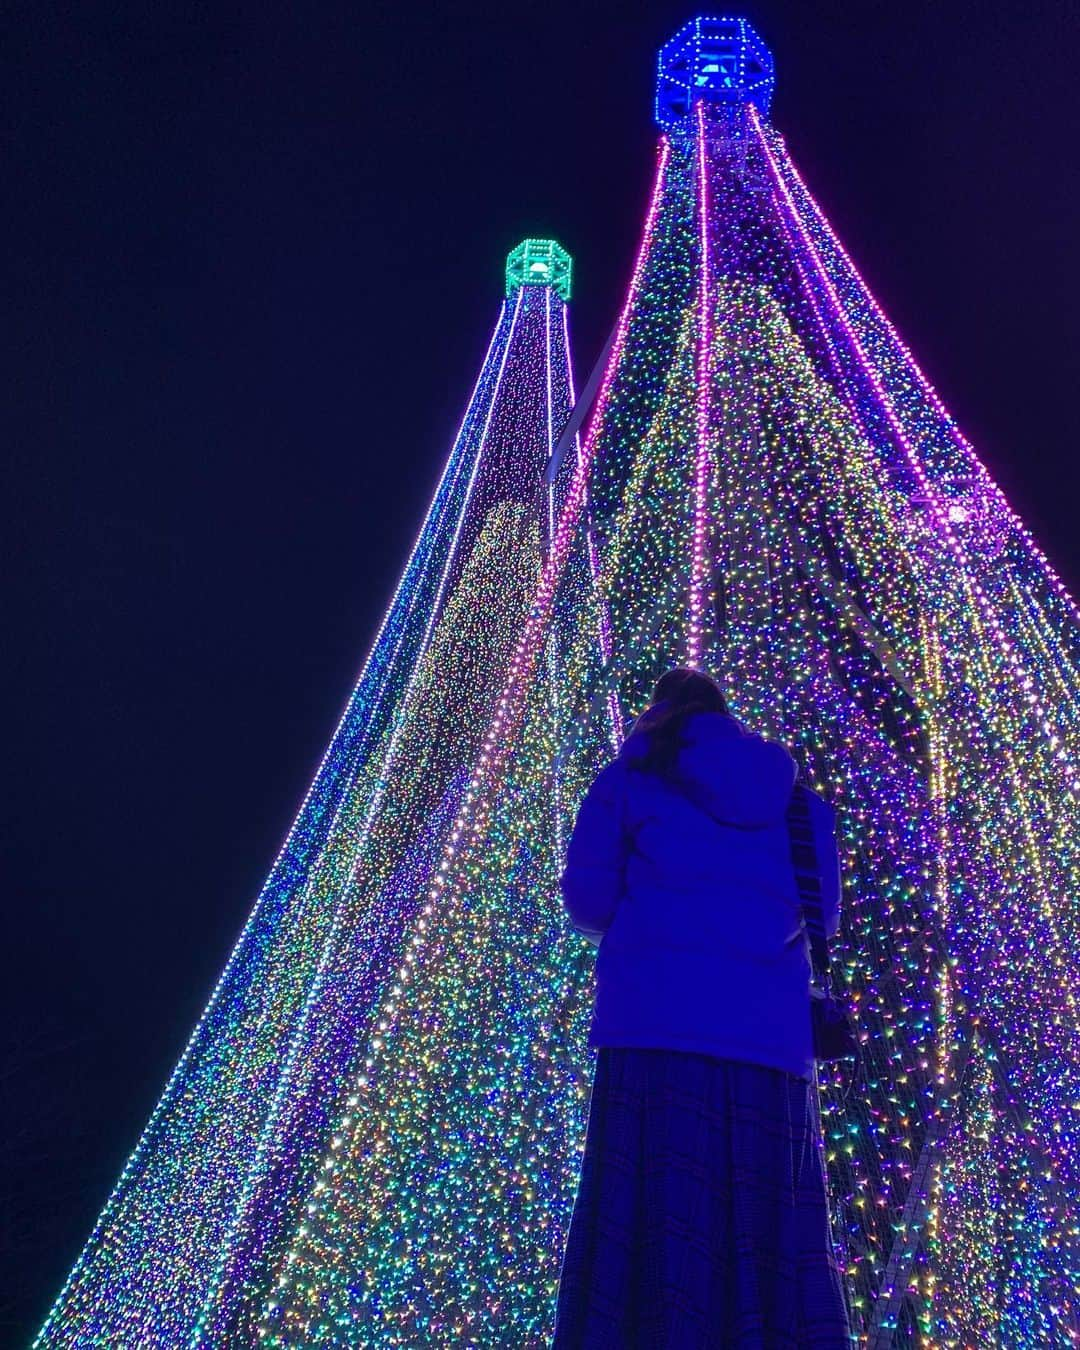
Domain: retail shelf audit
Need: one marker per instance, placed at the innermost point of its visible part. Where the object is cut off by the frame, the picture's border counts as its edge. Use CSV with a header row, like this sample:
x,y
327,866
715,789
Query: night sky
x,y
253,258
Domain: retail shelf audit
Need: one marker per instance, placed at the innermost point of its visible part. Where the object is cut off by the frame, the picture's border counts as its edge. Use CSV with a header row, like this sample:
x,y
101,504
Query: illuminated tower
x,y
237,1139
767,485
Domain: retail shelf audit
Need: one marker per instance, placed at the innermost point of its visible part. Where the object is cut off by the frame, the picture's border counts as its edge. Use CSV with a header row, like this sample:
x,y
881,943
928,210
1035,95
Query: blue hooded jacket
x,y
692,902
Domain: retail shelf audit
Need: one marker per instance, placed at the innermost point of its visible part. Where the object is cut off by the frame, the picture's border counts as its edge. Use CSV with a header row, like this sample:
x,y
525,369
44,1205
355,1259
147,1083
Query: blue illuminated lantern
x,y
721,60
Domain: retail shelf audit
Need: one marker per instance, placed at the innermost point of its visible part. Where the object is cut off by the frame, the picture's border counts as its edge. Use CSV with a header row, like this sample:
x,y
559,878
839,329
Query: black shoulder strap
x,y
804,860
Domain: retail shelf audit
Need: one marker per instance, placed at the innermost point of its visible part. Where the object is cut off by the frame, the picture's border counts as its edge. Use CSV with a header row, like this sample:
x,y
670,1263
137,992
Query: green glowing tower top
x,y
539,262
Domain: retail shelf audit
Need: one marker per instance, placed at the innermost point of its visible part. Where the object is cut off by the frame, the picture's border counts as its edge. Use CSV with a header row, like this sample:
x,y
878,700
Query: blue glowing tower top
x,y
719,59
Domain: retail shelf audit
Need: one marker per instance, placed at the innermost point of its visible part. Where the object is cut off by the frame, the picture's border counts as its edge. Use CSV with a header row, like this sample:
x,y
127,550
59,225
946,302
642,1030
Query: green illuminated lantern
x,y
539,262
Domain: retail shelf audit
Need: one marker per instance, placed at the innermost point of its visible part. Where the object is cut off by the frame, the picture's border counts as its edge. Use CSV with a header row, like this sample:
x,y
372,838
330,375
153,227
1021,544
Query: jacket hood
x,y
738,777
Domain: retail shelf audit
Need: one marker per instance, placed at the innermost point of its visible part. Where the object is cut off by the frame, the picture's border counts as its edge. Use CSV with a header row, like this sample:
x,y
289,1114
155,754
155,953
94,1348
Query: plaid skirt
x,y
701,1220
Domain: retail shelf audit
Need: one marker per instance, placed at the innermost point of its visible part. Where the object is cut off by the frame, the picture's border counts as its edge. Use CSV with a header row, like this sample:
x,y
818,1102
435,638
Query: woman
x,y
701,1218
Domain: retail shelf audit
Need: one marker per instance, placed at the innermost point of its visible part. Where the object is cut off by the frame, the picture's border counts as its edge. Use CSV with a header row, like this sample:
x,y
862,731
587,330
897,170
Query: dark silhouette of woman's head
x,y
679,695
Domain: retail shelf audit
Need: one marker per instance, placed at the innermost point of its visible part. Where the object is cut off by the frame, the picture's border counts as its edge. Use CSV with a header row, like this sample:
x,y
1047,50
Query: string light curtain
x,y
767,486
235,1143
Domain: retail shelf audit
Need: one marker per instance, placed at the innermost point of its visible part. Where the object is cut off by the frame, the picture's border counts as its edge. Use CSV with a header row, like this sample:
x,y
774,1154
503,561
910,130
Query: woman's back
x,y
687,879
701,1218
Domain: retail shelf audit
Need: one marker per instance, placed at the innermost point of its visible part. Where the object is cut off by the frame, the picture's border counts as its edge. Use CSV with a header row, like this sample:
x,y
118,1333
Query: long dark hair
x,y
678,696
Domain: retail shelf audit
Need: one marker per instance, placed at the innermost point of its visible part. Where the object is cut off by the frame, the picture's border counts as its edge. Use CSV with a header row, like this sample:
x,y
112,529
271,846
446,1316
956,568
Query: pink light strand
x,y
699,566
937,505
550,432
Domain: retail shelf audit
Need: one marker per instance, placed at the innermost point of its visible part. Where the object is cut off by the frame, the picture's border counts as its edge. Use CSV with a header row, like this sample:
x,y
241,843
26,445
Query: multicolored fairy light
x,y
700,565
374,1138
223,1166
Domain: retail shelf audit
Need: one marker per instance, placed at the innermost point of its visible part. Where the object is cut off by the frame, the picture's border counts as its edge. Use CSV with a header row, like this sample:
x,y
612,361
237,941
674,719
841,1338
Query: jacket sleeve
x,y
823,823
592,881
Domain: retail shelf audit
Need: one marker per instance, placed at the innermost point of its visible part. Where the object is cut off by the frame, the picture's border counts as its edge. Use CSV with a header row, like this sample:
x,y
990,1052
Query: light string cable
x,y
457,462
